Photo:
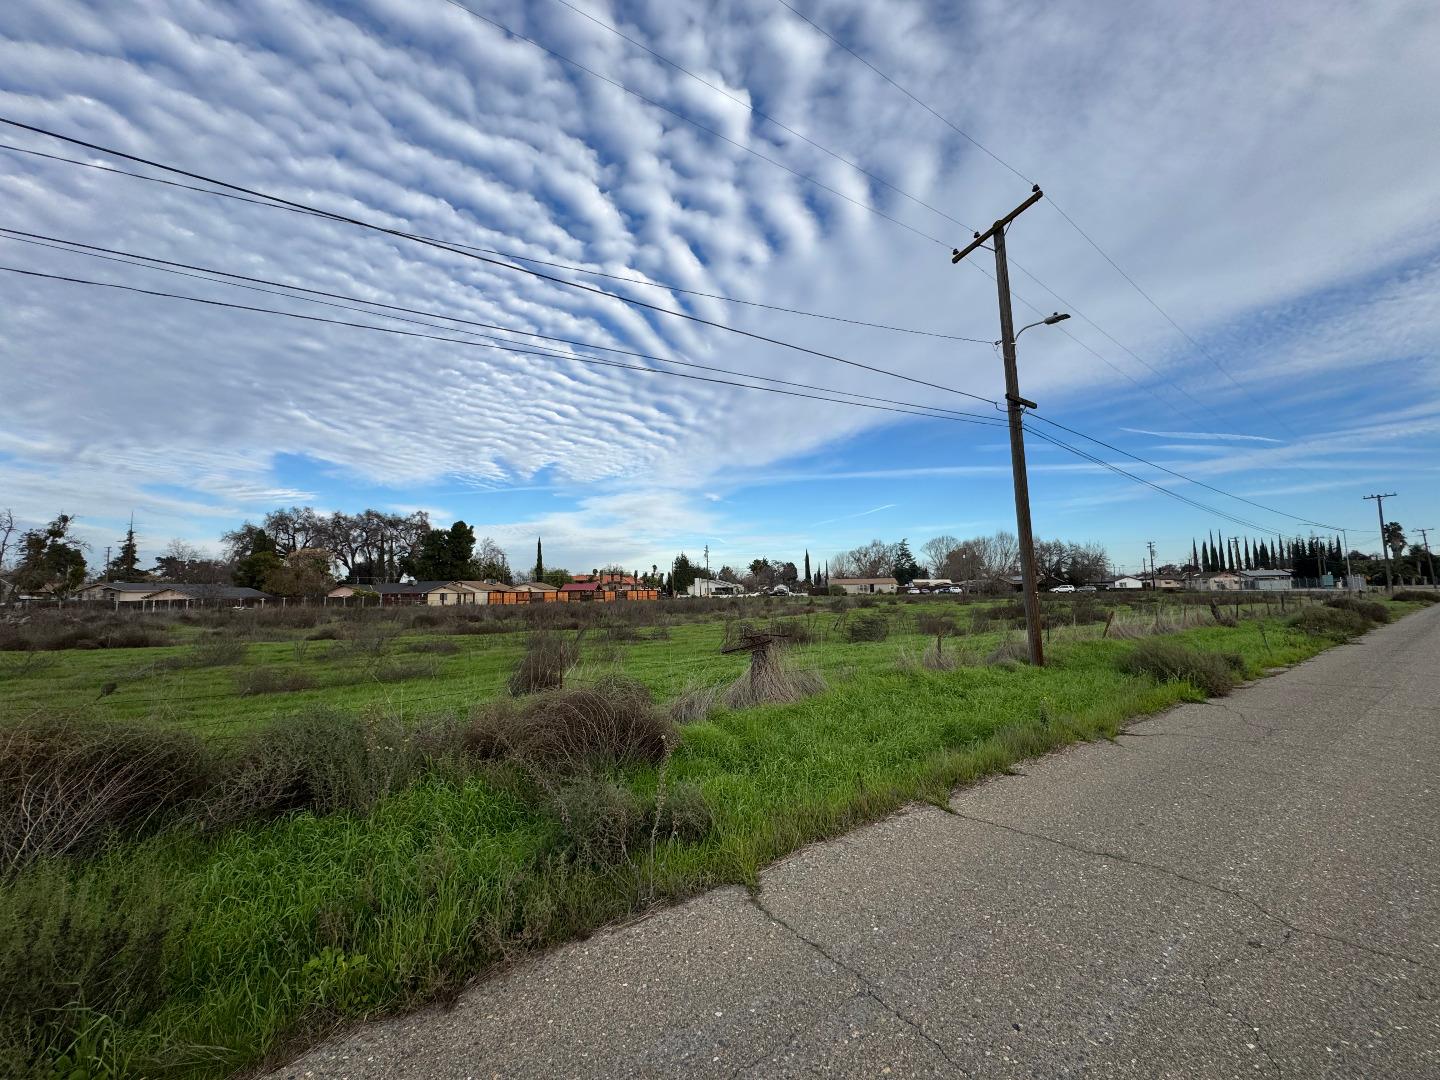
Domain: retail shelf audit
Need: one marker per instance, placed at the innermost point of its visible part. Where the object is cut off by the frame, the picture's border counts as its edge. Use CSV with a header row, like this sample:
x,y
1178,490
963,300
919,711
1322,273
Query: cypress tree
x,y
539,561
1249,556
808,582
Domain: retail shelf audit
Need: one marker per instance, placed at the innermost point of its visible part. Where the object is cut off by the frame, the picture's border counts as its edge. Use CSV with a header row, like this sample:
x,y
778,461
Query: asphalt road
x,y
1244,888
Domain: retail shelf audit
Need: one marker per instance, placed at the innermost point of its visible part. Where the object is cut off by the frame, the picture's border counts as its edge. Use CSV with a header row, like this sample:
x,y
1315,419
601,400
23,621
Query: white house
x,y
150,594
855,585
1127,582
1224,581
713,587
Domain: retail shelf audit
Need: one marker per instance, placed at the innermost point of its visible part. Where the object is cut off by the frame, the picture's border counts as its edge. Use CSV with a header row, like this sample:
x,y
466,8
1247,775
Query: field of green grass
x,y
192,952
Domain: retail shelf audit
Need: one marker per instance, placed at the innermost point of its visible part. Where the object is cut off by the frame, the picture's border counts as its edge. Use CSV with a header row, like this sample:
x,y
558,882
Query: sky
x,y
1261,314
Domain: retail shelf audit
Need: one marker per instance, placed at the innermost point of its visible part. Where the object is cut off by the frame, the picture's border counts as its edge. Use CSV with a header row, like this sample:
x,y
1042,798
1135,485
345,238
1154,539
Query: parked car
x,y
1063,588
1087,588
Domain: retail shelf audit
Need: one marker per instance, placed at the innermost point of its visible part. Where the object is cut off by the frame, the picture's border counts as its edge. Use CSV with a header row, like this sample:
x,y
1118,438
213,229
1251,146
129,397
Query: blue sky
x,y
1268,178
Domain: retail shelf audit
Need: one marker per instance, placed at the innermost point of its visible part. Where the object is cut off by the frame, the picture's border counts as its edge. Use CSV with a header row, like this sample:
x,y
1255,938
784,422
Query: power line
x,y
484,258
1182,476
127,258
664,286
1047,437
595,361
1086,236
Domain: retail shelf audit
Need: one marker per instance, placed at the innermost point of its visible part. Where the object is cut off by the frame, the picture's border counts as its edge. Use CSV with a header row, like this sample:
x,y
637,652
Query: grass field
x,y
184,951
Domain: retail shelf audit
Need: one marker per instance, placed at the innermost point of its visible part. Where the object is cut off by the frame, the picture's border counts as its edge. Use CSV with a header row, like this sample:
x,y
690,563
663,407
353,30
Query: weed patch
x,y
1214,674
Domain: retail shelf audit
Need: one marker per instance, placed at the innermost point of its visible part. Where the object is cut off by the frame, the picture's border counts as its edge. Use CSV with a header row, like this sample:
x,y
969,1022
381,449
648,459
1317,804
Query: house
x,y
1126,581
714,587
1265,580
151,594
1224,581
853,585
1162,581
493,592
437,593
581,590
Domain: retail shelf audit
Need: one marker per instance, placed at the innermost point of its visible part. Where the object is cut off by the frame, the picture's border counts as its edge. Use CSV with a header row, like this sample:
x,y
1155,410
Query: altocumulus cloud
x,y
415,115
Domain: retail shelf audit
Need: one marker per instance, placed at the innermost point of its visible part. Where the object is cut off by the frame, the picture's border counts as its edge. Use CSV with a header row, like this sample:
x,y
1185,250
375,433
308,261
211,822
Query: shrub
x,y
872,626
771,680
272,680
1009,654
835,590
74,953
217,650
548,656
1337,624
1169,661
1373,610
1416,596
388,671
437,646
696,702
67,784
326,762
933,624
612,721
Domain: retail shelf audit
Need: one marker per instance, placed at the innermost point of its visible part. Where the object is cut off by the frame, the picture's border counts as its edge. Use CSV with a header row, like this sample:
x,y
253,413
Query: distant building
x,y
149,594
855,585
1224,581
388,593
714,587
1265,580
1126,581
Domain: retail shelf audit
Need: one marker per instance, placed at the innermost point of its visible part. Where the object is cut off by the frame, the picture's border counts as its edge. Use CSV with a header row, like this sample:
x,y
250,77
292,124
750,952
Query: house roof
x,y
198,592
486,586
863,581
580,586
1265,573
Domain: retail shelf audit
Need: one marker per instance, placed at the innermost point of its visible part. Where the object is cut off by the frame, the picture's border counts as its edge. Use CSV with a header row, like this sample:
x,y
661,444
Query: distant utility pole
x,y
1151,545
1425,536
709,588
1015,407
1384,548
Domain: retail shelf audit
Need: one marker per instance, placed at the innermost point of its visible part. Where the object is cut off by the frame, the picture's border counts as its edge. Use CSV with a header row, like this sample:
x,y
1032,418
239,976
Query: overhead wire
x,y
245,281
1060,210
509,347
443,246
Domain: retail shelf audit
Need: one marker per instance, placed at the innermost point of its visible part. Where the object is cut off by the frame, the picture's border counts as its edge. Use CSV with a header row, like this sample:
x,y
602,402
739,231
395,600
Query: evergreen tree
x,y
1249,556
126,565
539,574
1195,556
808,582
258,563
906,569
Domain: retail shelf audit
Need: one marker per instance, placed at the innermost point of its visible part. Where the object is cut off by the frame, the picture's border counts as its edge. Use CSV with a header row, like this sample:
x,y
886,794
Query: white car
x,y
1063,588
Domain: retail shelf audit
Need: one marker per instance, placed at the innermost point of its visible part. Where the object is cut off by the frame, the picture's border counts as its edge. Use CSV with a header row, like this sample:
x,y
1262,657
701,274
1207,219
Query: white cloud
x,y
1268,169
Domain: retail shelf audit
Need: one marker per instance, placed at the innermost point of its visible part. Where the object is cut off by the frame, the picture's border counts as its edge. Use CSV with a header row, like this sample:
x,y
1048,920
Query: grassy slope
x,y
294,923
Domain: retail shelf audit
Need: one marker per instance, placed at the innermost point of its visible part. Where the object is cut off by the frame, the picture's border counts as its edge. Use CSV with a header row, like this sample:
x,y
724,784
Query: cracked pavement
x,y
1241,888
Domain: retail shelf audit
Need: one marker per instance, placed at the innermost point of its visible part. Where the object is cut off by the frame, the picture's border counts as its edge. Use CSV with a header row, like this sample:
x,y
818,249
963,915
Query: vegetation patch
x,y
1337,624
872,626
1371,610
1214,674
1416,596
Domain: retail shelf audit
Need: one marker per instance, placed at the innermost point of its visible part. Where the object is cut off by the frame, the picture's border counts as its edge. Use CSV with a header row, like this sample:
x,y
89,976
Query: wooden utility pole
x,y
1425,536
1015,407
1384,547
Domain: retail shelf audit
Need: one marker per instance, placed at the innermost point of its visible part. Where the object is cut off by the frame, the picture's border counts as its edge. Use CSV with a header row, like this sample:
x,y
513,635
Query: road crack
x,y
866,988
1179,875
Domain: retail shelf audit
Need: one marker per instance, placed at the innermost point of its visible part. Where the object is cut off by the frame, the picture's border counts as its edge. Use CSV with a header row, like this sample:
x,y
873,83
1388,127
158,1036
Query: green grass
x,y
282,929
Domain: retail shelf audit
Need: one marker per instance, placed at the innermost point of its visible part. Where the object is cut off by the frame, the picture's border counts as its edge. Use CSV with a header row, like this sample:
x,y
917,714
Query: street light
x,y
1049,320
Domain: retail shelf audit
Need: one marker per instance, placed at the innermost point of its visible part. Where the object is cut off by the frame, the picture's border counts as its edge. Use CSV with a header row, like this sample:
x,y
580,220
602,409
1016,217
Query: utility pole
x,y
1345,539
709,588
1151,545
1425,536
1384,547
1015,407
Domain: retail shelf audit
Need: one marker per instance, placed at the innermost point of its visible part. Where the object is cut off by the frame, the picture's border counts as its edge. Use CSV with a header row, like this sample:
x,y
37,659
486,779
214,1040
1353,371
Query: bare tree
x,y
936,551
7,533
875,559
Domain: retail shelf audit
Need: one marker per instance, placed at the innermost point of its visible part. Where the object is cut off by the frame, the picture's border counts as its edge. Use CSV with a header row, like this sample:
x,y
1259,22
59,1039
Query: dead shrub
x,y
696,703
548,656
437,646
327,762
872,626
936,659
390,671
771,680
1416,596
1338,624
216,650
612,721
933,624
1373,610
1214,674
273,680
67,784
1008,654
